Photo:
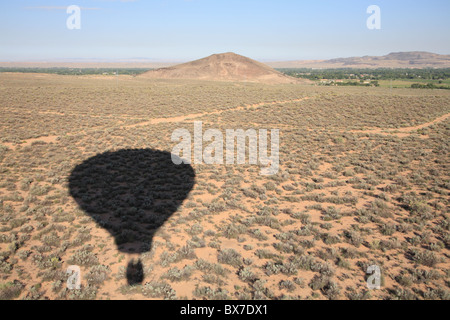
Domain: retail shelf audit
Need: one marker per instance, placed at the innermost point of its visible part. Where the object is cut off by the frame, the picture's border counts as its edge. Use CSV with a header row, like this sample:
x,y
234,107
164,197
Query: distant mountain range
x,y
89,63
414,59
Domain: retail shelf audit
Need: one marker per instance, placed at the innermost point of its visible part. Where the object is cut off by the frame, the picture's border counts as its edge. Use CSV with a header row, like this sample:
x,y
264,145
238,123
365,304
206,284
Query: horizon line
x,y
161,60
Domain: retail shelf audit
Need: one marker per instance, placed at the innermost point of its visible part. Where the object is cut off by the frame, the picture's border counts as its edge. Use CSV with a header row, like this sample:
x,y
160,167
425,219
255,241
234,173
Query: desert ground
x,y
363,180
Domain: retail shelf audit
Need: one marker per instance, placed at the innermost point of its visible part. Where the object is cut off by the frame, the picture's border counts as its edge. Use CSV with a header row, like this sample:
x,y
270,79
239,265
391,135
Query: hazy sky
x,y
188,29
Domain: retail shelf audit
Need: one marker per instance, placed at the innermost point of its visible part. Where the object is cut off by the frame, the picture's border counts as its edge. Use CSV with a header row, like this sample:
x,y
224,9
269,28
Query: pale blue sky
x,y
189,29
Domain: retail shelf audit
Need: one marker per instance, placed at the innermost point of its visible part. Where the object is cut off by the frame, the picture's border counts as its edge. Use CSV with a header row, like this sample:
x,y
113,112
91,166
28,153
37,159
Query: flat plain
x,y
363,180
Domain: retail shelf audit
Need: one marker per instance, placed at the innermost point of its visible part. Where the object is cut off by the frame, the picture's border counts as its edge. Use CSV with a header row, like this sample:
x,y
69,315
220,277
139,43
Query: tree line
x,y
78,71
368,74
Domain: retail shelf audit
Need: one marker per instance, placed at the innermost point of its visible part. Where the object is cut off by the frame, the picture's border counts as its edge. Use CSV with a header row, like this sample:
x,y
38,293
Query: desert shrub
x,y
403,294
195,229
214,244
230,257
436,294
271,268
342,263
331,290
424,276
216,207
425,257
268,211
250,193
11,290
57,286
51,239
175,274
53,274
331,213
286,285
97,274
261,292
158,289
381,209
39,190
257,234
263,221
63,217
27,228
232,231
84,293
353,237
416,205
326,226
265,254
15,223
34,293
84,258
211,294
306,230
303,217
51,261
83,236
196,242
247,275
323,268
6,239
319,282
354,295
350,253
304,262
391,188
24,254
388,229
330,239
204,265
270,186
186,252
213,279
25,184
290,246
209,233
404,227
404,280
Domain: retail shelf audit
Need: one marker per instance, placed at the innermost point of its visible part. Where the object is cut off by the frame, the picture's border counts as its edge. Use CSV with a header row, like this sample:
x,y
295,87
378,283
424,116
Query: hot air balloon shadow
x,y
131,193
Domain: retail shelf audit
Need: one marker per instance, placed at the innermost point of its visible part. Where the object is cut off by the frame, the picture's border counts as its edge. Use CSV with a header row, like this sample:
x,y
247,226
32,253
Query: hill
x,y
414,59
222,67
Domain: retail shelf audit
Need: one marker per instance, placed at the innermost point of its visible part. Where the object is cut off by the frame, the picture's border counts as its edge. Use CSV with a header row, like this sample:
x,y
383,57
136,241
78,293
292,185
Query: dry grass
x,y
344,199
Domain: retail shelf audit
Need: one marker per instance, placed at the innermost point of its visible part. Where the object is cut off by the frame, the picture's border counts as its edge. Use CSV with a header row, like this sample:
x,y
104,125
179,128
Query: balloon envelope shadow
x,y
131,193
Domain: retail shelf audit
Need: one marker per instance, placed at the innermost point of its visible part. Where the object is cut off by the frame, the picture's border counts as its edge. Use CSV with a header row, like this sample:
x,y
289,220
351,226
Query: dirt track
x,y
402,132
